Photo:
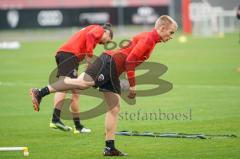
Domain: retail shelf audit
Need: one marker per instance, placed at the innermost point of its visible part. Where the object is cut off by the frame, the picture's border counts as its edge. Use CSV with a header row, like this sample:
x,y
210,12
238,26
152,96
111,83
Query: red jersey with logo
x,y
83,42
134,54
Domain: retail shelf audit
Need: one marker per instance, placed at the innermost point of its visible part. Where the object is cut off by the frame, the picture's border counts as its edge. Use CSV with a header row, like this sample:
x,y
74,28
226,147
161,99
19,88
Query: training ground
x,y
206,80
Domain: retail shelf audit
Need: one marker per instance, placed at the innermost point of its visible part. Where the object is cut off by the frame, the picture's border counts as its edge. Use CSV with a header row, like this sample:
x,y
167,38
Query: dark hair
x,y
108,26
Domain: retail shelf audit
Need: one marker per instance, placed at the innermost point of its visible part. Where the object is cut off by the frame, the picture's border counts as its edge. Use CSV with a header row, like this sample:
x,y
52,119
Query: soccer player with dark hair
x,y
79,47
105,71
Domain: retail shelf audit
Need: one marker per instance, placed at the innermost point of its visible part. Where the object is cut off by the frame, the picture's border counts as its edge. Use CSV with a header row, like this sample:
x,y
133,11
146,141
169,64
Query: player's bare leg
x,y
83,81
111,118
113,103
59,99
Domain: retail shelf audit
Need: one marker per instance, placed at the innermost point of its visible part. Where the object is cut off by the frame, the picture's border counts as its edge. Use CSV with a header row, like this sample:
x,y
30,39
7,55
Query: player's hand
x,y
132,92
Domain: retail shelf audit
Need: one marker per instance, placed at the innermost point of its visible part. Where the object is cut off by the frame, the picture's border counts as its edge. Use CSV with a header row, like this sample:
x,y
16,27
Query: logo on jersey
x,y
75,72
100,77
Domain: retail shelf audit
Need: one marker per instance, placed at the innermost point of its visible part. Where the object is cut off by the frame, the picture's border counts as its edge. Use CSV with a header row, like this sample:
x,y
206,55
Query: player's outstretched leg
x,y
83,81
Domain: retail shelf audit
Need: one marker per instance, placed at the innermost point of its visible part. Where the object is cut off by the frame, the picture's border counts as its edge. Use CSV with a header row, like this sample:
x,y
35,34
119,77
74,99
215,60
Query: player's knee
x,y
115,109
85,82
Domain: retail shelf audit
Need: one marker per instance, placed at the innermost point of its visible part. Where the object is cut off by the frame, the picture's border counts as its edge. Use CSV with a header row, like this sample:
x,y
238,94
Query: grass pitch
x,y
205,77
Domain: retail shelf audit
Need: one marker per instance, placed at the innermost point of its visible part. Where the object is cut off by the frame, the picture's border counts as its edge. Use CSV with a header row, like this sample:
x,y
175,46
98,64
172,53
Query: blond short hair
x,y
165,20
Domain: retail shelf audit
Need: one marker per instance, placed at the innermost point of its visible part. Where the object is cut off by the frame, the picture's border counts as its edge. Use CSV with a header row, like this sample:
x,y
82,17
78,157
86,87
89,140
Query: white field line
x,y
208,86
22,83
18,83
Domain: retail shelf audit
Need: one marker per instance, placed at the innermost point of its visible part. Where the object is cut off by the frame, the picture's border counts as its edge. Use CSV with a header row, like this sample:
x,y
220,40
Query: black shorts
x,y
103,72
67,64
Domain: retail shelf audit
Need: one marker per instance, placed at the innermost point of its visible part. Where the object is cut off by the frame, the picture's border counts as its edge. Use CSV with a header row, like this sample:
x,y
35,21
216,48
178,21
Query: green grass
x,y
205,79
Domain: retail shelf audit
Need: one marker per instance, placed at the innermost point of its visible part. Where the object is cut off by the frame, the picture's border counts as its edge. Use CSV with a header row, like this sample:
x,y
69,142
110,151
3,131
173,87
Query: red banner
x,y
187,25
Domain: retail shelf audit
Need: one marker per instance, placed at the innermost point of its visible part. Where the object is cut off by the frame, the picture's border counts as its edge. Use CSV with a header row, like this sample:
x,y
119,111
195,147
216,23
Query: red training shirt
x,y
83,42
134,54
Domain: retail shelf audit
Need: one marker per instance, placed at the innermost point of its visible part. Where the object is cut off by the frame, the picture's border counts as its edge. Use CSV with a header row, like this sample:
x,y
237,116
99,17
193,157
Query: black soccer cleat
x,y
112,152
36,98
